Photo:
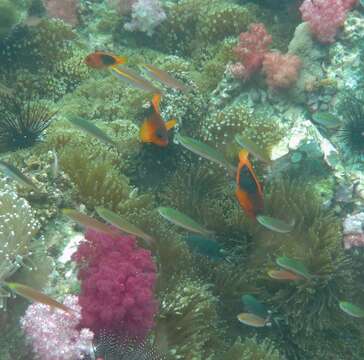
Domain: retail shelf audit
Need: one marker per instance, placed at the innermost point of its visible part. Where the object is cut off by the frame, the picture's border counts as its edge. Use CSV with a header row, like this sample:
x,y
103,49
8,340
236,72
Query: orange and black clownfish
x,y
249,191
154,129
103,60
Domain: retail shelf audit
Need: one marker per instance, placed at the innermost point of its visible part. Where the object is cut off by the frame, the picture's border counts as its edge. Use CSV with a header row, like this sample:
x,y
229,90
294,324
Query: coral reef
x,y
117,284
53,334
65,10
281,70
23,121
17,228
146,15
325,17
250,349
250,51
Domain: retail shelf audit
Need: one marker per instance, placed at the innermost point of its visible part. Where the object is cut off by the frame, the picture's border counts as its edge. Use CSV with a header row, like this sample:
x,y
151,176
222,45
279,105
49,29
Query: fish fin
x,y
243,154
170,124
146,132
155,102
121,60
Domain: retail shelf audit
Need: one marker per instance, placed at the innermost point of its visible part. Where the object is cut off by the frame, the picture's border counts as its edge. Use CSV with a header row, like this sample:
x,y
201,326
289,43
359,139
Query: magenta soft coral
x,y
117,284
325,17
250,51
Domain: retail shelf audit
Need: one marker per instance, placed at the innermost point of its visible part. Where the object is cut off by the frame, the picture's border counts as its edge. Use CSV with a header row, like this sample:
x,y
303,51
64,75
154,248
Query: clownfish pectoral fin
x,y
155,102
243,155
170,124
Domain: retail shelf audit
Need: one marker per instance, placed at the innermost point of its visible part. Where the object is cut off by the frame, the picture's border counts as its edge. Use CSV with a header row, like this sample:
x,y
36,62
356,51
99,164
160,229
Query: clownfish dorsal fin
x,y
243,155
155,102
170,124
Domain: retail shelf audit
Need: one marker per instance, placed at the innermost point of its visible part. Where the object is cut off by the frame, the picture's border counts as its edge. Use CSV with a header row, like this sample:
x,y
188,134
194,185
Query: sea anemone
x,y
352,130
23,121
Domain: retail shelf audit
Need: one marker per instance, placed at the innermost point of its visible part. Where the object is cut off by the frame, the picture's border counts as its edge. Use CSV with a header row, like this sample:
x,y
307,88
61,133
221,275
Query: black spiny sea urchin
x,y
352,130
22,121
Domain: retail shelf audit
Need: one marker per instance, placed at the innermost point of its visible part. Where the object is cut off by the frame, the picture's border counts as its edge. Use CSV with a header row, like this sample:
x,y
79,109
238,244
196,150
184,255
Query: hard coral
x,y
281,69
117,284
250,51
54,334
325,17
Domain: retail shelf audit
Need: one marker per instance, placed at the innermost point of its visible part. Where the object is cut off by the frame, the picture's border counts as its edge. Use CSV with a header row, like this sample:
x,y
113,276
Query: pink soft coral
x,y
62,9
117,284
325,17
250,51
281,69
54,334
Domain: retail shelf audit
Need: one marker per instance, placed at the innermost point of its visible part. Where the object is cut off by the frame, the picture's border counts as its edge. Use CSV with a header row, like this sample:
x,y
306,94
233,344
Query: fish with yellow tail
x,y
154,129
249,191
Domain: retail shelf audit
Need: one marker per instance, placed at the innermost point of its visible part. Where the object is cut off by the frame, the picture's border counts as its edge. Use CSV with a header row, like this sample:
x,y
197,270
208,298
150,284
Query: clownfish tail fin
x,y
171,123
121,60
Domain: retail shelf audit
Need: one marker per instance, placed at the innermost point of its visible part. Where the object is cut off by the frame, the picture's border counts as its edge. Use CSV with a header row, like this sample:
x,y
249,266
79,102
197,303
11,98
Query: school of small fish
x,y
155,130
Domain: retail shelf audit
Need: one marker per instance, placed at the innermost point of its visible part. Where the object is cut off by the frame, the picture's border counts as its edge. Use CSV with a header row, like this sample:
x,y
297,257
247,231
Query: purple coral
x,y
62,9
54,334
117,284
146,15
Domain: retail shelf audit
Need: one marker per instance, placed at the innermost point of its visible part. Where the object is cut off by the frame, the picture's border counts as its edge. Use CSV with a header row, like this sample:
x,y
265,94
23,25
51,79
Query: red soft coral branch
x,y
117,284
250,51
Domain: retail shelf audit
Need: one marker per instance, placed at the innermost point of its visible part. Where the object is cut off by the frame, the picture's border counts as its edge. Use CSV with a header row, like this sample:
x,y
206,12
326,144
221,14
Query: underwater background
x,y
181,179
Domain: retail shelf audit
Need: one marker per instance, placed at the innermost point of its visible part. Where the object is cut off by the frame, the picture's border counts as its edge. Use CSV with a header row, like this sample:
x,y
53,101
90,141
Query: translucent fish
x,y
252,320
17,175
88,222
92,129
326,119
164,78
275,224
134,79
253,148
204,151
293,265
122,224
182,220
283,275
351,309
36,296
254,306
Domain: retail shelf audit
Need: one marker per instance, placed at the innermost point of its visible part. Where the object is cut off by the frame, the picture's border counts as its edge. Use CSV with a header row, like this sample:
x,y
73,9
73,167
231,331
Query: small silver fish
x,y
55,165
134,79
92,129
164,78
17,175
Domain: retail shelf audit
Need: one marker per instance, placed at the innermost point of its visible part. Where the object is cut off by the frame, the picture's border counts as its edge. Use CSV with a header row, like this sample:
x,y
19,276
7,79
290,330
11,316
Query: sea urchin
x,y
22,121
352,130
